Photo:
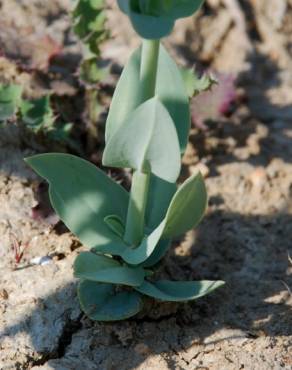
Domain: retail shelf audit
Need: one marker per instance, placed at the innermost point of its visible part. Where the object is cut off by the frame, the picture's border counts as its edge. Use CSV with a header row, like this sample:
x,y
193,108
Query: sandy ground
x,y
245,238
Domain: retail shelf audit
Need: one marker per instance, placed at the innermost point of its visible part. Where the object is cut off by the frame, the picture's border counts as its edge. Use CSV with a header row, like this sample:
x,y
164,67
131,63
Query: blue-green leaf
x,y
102,269
178,291
186,210
187,207
82,195
148,142
156,211
135,256
100,302
151,27
115,224
159,251
145,249
170,90
155,19
174,8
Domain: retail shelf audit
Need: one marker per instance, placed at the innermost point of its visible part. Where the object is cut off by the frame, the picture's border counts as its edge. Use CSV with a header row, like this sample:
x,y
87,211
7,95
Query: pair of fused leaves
x,y
127,104
84,197
154,19
101,301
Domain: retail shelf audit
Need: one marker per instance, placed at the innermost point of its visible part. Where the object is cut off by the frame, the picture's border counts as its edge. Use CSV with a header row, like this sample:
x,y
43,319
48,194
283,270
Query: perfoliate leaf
x,y
154,19
10,98
170,90
145,249
102,269
82,195
187,207
151,27
100,302
178,291
173,8
147,142
156,211
147,254
185,211
127,96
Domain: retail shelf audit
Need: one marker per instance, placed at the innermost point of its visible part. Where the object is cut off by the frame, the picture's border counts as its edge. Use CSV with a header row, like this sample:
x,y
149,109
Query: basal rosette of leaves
x,y
154,19
128,233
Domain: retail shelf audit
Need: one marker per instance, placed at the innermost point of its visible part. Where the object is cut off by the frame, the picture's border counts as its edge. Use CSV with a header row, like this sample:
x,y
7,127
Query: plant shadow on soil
x,y
249,252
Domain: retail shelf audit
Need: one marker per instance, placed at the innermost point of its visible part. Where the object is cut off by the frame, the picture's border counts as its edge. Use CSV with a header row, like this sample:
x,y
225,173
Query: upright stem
x,y
140,182
149,63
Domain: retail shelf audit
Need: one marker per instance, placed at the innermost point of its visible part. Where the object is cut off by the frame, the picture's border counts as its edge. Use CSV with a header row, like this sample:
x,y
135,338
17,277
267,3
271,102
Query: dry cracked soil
x,y
244,239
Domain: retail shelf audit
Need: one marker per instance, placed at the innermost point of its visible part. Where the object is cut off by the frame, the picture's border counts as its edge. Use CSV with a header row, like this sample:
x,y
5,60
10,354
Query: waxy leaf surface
x,y
101,303
154,19
170,89
185,211
187,207
178,291
147,142
82,195
89,266
156,210
159,252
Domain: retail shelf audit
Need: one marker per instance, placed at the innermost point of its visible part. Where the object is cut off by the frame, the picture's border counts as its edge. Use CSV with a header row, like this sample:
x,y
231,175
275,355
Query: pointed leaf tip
x,y
178,291
146,142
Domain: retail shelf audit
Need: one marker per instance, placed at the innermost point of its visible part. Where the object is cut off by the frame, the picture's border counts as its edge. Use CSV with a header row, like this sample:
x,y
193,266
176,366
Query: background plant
x,y
36,115
146,130
90,26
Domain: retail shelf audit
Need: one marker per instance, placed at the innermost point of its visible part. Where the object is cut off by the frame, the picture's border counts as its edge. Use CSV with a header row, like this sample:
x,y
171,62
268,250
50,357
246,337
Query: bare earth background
x,y
244,239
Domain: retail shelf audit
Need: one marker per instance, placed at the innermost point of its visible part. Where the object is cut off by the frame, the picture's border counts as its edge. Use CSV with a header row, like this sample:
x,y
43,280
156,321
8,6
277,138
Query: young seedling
x,y
146,130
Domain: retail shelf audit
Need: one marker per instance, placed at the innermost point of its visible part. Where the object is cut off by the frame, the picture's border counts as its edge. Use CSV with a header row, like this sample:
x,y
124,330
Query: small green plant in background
x,y
146,130
90,26
35,115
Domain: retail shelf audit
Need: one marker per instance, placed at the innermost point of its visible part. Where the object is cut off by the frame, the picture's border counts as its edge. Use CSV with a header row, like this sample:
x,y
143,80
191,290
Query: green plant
x,y
35,115
90,26
128,234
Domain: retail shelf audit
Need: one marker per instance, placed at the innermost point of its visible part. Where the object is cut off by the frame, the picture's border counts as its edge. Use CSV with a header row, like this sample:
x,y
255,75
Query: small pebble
x,y
45,260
